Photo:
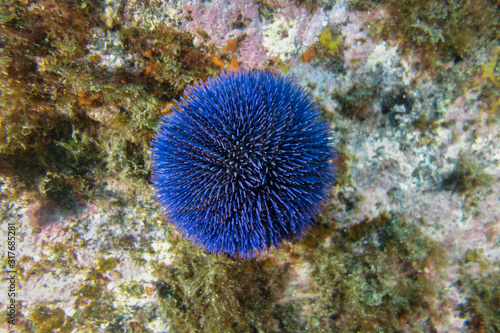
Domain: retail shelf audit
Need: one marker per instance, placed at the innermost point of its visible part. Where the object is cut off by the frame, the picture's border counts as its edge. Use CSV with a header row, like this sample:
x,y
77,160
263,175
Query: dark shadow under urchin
x,y
244,163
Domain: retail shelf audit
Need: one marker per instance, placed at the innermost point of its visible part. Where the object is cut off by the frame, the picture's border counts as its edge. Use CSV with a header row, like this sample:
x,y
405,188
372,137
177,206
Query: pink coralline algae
x,y
225,20
358,46
220,21
309,24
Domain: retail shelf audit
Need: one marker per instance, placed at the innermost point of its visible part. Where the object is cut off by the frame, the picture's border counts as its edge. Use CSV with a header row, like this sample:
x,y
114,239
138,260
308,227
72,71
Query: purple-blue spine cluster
x,y
244,163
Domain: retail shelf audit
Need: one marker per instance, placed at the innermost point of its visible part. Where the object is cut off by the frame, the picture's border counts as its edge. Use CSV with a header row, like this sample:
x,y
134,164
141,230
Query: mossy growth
x,y
67,122
58,191
201,292
94,303
424,125
51,320
35,136
343,167
93,307
466,176
356,101
363,5
481,308
106,265
312,5
63,258
372,278
319,233
168,57
438,30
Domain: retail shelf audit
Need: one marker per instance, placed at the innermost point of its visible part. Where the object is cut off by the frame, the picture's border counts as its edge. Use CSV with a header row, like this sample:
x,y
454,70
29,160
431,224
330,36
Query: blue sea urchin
x,y
244,163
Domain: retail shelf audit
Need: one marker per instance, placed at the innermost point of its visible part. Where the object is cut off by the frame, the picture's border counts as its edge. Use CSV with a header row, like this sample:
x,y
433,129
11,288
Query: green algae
x,y
206,293
343,168
372,277
437,30
49,320
356,101
94,303
466,176
424,125
480,308
68,123
106,265
57,190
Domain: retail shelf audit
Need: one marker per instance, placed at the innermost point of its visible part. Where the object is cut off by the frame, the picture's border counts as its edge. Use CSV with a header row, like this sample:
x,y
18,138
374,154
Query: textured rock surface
x,y
409,240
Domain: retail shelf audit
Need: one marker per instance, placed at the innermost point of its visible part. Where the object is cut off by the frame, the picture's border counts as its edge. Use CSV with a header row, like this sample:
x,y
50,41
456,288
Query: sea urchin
x,y
244,163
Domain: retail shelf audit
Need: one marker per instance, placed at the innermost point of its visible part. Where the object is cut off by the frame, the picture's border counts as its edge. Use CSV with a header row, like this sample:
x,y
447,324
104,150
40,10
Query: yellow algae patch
x,y
329,43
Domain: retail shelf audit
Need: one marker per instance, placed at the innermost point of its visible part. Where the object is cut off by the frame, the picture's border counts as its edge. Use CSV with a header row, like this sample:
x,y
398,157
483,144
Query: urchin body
x,y
243,164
